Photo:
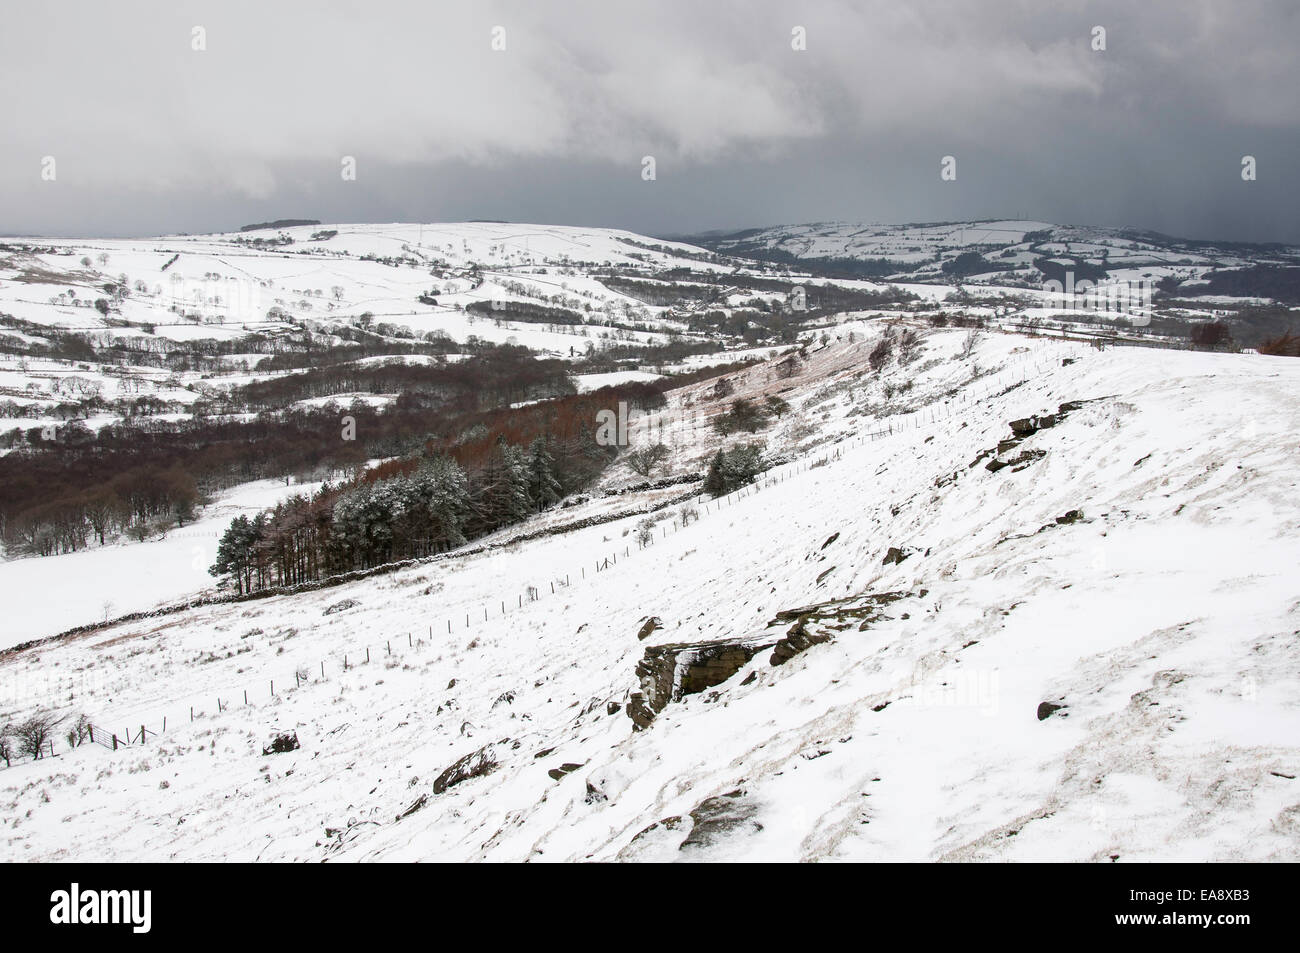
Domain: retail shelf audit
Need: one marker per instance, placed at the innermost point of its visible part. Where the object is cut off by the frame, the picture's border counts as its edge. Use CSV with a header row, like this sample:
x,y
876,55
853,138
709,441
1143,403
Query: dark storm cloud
x,y
150,135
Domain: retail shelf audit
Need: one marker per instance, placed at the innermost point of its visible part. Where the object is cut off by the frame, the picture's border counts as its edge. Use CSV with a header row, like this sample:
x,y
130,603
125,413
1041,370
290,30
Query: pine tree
x,y
715,483
543,488
235,554
503,493
440,487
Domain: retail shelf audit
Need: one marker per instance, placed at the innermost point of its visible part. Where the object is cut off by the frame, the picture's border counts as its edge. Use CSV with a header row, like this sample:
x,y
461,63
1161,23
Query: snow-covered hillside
x,y
1075,640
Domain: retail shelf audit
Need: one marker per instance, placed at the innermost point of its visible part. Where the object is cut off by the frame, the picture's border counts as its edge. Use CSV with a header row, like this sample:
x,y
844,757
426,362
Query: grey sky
x,y
150,135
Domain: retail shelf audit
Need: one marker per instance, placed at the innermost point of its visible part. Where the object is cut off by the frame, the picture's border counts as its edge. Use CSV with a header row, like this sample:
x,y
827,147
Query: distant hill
x,y
280,223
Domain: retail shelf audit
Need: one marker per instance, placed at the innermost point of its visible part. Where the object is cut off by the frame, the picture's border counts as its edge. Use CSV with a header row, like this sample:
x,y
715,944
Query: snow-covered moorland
x,y
1074,640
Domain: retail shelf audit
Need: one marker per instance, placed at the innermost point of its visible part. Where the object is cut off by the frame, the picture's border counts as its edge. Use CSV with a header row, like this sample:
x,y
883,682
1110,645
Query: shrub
x,y
777,406
732,469
33,735
1286,345
1211,336
744,415
79,733
881,353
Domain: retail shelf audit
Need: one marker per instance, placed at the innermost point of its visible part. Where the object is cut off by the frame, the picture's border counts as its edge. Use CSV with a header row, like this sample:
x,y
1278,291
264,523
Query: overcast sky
x,y
150,135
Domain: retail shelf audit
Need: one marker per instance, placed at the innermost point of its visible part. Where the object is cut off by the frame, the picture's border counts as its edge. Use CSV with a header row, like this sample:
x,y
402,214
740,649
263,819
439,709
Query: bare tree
x,y
33,735
79,733
968,345
645,460
6,743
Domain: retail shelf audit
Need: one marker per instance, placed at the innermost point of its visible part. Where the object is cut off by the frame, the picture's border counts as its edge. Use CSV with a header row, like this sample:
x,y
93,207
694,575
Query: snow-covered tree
x,y
543,487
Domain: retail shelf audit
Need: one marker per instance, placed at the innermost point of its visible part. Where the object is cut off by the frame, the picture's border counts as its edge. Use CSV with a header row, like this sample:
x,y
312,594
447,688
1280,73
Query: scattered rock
x,y
414,806
651,624
894,556
567,768
1024,427
1070,516
613,708
657,841
1021,460
830,539
1046,710
282,742
476,764
639,710
340,606
717,817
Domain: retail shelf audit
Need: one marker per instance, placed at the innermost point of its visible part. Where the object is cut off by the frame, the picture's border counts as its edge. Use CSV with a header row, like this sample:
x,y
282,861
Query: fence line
x,y
912,420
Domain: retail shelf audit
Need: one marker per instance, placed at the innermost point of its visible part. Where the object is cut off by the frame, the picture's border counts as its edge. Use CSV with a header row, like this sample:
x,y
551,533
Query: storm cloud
x,y
150,135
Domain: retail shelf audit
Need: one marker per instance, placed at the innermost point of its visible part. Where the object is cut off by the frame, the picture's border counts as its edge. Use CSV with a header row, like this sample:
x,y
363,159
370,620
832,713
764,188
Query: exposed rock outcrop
x,y
816,624
476,764
669,672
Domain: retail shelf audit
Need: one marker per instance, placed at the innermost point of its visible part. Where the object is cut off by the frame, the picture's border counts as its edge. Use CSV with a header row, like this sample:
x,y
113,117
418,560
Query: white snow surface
x,y
1166,620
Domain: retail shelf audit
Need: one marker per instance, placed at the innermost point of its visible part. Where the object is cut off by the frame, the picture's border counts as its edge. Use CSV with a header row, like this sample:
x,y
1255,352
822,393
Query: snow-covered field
x,y
53,593
1134,564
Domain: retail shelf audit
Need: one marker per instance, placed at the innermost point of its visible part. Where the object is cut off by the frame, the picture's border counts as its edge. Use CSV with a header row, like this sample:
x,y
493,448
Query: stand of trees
x,y
432,508
59,493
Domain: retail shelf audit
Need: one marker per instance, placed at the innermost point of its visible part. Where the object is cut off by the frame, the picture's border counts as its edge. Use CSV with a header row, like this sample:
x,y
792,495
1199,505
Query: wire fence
x,y
220,700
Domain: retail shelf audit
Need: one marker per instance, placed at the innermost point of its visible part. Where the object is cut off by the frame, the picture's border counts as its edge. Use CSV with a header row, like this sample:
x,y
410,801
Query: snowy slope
x,y
1163,616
